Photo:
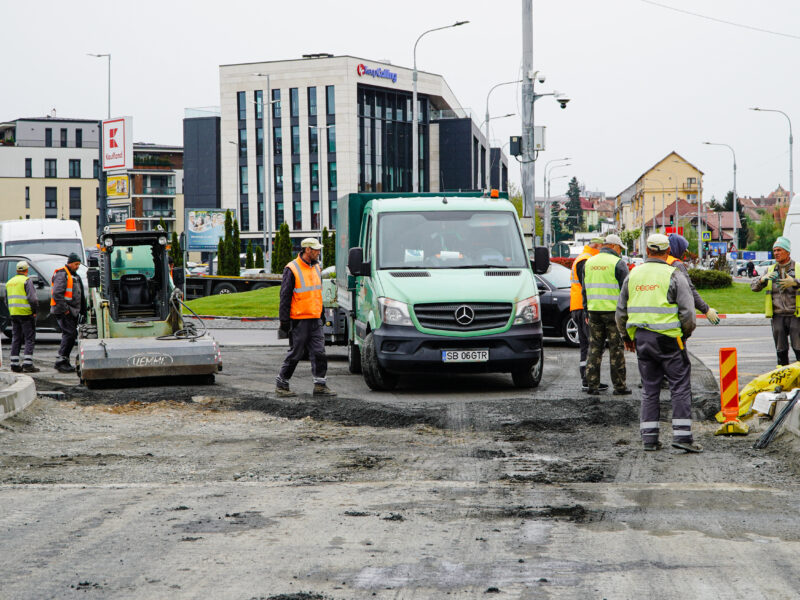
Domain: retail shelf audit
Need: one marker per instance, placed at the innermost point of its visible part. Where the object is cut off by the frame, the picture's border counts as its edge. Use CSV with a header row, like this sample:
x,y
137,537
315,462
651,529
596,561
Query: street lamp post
x,y
415,111
107,55
238,198
486,169
676,210
101,176
319,172
547,221
547,201
735,198
658,181
791,144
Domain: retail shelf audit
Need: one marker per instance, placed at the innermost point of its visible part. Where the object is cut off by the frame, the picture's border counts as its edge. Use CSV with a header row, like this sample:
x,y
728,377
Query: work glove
x,y
787,283
712,316
773,276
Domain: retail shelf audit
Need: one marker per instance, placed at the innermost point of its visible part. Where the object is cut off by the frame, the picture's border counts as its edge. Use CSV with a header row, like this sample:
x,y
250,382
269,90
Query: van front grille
x,y
463,316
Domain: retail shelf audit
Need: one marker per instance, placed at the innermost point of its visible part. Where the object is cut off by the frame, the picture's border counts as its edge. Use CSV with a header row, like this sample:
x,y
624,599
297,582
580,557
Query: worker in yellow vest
x,y
655,314
780,303
602,280
576,307
301,317
22,307
677,248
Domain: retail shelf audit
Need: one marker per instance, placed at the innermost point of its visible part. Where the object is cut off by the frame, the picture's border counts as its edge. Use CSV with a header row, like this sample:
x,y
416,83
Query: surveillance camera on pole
x,y
562,99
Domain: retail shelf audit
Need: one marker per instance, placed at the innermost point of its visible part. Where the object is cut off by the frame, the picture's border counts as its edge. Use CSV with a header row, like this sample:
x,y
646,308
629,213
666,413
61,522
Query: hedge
x,y
710,279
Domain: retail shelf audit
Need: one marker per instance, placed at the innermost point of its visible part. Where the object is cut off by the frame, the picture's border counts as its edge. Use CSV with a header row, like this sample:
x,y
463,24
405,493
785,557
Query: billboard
x,y
117,187
204,227
118,144
116,215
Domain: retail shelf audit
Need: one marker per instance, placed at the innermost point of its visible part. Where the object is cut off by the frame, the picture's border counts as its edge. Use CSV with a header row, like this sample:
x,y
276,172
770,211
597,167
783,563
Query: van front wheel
x,y
377,378
529,377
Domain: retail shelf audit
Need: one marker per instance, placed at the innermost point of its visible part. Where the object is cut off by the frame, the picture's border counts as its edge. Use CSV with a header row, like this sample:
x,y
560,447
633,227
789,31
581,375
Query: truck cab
x,y
438,283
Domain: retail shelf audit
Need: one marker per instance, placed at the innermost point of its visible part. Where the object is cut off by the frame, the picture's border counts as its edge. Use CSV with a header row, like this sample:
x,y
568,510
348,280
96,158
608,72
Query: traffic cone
x,y
729,394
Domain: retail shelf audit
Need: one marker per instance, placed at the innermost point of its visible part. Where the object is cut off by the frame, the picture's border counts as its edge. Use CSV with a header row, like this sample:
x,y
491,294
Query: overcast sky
x,y
643,80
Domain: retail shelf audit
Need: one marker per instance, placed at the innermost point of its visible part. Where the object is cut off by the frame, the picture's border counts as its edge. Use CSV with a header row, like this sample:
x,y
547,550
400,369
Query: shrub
x,y
563,260
710,279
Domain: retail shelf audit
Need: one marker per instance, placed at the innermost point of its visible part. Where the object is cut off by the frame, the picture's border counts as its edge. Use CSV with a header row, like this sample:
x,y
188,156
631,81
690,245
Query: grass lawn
x,y
735,299
259,303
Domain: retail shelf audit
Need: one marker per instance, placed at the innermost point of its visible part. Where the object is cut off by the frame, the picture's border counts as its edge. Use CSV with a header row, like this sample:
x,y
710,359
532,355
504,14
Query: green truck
x,y
437,283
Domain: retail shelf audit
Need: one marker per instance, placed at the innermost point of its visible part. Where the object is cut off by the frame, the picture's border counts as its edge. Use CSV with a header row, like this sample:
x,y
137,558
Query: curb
x,y
18,394
735,319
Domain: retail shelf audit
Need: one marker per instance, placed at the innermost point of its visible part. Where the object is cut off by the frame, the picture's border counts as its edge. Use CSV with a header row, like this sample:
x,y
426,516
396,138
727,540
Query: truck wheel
x,y
224,288
353,358
376,377
260,286
530,376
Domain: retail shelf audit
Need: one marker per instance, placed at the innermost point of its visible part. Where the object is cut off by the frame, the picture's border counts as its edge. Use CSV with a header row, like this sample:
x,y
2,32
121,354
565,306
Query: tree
x,y
574,211
221,265
515,197
764,233
629,236
331,261
175,250
744,229
328,248
259,257
236,249
282,254
249,263
162,224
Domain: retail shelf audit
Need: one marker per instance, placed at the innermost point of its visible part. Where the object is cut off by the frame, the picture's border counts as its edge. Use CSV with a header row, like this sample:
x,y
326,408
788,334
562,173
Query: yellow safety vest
x,y
602,287
17,297
648,307
768,299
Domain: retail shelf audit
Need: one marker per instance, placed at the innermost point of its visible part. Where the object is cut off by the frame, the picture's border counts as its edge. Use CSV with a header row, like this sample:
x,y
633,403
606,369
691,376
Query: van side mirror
x,y
355,262
178,276
93,262
93,278
541,260
38,283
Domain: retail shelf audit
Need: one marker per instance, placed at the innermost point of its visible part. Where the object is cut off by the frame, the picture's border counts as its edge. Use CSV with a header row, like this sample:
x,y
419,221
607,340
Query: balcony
x,y
158,214
157,191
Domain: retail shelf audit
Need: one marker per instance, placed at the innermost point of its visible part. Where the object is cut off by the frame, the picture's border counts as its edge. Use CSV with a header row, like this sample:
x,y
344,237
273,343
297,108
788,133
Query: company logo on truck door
x,y
382,73
150,359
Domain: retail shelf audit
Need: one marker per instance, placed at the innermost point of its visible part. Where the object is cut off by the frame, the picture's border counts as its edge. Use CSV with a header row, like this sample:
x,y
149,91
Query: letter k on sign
x,y
112,138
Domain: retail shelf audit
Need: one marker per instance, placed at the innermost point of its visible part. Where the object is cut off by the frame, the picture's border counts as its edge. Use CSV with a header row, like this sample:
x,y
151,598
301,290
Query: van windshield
x,y
449,240
48,246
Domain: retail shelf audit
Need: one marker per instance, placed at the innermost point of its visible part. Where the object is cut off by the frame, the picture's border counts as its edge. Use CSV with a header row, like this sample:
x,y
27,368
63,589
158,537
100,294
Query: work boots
x,y
687,446
783,358
64,366
17,368
30,369
284,392
321,389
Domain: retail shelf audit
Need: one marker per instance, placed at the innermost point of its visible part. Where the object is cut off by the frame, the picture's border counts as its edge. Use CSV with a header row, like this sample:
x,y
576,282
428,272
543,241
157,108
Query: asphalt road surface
x,y
446,487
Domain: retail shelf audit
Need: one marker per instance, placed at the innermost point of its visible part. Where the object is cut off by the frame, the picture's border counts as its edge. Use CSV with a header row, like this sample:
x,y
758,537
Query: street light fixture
x,y
266,113
791,143
107,55
547,201
487,176
320,173
415,111
735,238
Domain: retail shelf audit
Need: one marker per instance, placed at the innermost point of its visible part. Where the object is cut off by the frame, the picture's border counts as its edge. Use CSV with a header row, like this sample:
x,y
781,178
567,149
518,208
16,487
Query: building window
x,y
277,142
27,197
96,169
332,176
28,167
313,140
258,95
260,179
243,143
295,139
63,138
79,138
276,107
330,103
298,215
278,178
260,141
242,180
50,202
314,177
331,138
244,216
296,177
312,102
241,102
294,102
74,168
278,212
74,199
48,137
50,167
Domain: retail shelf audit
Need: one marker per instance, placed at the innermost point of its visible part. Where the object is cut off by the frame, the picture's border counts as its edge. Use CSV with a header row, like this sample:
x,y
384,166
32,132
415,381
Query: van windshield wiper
x,y
480,267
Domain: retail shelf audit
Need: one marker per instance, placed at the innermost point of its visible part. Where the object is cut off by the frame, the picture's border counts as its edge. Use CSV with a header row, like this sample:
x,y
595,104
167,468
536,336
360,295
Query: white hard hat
x,y
613,238
22,266
311,243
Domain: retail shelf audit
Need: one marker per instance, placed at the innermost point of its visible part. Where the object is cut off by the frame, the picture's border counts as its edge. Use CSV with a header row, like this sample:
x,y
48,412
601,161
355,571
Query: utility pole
x,y
527,166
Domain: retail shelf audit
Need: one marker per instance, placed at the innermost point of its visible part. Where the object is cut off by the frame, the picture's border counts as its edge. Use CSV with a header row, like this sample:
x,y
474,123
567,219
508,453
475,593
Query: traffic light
x,y
671,220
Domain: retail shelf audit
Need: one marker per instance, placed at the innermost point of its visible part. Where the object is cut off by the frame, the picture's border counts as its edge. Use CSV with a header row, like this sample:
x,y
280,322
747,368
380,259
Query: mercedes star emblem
x,y
464,315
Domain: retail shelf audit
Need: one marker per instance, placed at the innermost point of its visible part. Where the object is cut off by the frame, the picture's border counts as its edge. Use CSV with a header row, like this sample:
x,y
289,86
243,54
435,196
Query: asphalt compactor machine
x,y
134,328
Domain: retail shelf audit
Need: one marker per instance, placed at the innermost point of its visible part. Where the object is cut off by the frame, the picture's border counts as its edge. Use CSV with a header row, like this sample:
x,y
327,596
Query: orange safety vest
x,y
67,292
671,259
575,290
307,297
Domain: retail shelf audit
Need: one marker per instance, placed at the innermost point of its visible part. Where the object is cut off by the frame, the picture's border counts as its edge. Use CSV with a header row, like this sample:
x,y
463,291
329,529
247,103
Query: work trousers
x,y
69,333
602,327
786,327
23,329
305,337
579,316
660,356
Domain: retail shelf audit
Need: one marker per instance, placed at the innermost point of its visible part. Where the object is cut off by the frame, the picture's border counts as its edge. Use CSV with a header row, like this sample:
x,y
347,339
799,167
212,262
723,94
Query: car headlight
x,y
394,312
527,311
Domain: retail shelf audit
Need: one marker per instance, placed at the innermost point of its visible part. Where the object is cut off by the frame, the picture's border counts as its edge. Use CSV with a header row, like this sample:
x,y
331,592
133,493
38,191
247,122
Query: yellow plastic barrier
x,y
787,377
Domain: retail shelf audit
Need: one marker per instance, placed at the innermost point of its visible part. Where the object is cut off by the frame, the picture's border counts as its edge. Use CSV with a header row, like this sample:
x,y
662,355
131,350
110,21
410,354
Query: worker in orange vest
x,y
301,318
67,304
576,307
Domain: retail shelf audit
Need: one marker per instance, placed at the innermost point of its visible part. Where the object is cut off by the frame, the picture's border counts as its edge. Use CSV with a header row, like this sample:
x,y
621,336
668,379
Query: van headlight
x,y
527,311
394,312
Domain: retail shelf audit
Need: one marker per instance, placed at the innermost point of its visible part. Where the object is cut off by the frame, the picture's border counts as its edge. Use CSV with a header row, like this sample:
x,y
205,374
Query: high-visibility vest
x,y
671,259
575,289
67,292
307,296
648,307
602,287
768,299
17,297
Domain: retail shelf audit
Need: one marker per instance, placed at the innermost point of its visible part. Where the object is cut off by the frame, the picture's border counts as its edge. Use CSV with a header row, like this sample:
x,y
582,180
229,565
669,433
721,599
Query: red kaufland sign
x,y
117,144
